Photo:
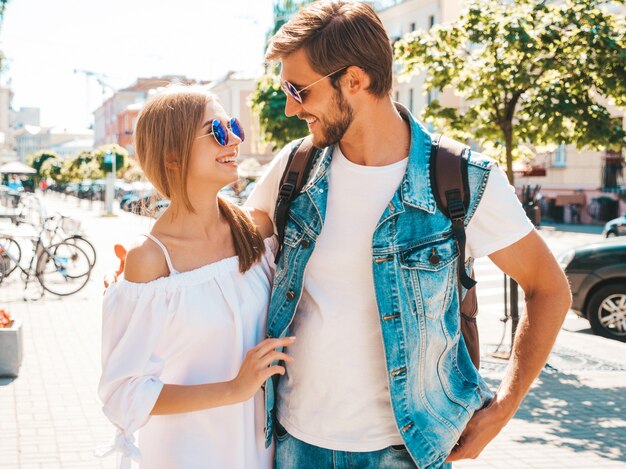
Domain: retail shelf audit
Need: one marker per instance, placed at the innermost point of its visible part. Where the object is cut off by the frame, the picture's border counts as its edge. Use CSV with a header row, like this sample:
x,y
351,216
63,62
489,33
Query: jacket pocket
x,y
430,271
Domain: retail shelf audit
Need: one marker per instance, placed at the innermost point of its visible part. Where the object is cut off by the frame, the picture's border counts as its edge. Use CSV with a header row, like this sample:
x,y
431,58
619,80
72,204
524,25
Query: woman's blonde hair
x,y
164,135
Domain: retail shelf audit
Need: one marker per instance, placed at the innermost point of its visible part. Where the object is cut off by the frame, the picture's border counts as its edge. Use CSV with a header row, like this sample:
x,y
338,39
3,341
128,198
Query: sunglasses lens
x,y
289,89
237,129
220,132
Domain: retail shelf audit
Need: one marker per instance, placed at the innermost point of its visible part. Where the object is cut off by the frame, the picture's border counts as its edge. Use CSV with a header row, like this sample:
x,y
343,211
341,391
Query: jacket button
x,y
434,258
305,243
290,295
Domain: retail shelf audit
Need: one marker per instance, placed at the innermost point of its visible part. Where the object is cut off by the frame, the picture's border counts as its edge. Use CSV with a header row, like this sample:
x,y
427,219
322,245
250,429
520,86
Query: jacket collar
x,y
415,187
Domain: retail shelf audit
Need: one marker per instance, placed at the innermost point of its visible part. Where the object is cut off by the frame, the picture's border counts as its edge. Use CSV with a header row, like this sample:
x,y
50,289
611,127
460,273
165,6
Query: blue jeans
x,y
291,453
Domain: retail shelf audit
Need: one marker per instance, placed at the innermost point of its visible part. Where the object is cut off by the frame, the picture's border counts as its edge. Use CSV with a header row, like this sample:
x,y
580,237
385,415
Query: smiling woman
x,y
183,355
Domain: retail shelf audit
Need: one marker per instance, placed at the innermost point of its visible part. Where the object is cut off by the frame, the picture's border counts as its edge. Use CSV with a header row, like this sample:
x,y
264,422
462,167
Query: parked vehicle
x,y
597,275
615,227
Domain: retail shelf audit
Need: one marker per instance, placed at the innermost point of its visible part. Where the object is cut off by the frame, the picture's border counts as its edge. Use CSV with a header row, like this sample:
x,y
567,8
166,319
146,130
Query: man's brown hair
x,y
335,34
164,134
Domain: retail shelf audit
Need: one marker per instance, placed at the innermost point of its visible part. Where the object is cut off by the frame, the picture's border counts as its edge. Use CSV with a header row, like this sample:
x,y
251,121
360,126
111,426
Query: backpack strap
x,y
293,179
449,180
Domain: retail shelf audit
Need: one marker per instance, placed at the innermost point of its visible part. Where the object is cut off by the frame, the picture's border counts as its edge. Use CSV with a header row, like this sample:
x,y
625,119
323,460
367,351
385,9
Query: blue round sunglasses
x,y
220,131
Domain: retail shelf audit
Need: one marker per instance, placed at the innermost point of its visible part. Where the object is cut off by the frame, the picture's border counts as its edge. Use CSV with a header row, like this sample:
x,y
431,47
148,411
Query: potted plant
x,y
10,344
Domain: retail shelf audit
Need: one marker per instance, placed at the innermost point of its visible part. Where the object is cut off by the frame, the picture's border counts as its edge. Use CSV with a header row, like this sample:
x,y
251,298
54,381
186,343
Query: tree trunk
x,y
513,305
508,146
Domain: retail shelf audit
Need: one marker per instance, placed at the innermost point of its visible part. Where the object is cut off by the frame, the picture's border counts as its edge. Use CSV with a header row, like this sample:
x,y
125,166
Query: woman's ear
x,y
172,162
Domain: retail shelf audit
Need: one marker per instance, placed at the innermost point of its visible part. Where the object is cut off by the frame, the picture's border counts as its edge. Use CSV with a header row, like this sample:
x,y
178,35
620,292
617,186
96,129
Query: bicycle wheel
x,y
85,246
63,269
10,255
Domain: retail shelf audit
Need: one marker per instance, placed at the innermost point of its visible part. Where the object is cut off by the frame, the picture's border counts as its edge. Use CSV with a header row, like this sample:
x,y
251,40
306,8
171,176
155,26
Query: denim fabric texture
x,y
292,453
434,387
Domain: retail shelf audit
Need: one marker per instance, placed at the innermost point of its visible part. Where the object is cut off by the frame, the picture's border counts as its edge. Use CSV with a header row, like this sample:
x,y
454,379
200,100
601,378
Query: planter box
x,y
11,344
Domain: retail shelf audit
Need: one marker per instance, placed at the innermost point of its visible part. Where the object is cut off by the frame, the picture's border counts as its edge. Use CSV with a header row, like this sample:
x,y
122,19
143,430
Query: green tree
x,y
51,169
81,166
268,103
268,100
528,72
121,158
37,159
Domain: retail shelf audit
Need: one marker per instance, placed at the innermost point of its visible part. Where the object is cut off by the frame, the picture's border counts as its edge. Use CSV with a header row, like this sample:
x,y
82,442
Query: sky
x,y
45,41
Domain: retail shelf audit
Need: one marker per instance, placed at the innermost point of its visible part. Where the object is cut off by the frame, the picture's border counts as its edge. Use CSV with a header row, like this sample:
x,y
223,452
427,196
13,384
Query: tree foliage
x,y
528,72
268,103
36,160
121,158
268,100
52,169
79,167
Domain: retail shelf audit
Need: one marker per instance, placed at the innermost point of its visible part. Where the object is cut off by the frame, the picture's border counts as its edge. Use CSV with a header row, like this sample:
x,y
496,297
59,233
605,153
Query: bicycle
x,y
68,229
61,268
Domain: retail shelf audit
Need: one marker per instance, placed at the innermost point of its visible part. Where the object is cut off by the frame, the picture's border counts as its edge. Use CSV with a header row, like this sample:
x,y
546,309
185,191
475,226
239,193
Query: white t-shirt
x,y
335,394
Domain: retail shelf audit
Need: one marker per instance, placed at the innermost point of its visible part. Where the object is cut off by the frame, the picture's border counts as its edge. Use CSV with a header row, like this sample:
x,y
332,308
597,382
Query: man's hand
x,y
120,253
483,427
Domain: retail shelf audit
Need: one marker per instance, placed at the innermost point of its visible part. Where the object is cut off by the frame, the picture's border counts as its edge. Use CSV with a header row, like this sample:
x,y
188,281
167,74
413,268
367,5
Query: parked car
x,y
597,275
615,227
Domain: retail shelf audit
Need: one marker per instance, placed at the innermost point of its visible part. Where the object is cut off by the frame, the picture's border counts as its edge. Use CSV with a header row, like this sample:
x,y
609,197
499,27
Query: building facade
x,y
30,139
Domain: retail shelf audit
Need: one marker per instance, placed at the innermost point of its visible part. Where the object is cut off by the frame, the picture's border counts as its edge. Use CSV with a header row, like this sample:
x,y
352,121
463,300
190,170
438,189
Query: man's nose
x,y
292,107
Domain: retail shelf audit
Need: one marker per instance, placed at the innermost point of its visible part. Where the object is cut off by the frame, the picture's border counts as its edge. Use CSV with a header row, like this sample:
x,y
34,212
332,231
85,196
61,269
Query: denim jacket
x,y
434,387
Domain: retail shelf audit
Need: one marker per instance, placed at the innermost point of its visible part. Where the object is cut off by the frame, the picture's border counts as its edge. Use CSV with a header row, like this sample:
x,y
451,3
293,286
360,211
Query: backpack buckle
x,y
456,209
286,191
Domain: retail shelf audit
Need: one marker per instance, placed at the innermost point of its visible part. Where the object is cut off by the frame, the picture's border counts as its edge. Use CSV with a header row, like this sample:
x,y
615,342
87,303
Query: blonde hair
x,y
164,135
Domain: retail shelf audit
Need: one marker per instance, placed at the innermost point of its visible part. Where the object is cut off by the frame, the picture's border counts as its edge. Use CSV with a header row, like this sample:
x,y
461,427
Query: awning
x,y
15,167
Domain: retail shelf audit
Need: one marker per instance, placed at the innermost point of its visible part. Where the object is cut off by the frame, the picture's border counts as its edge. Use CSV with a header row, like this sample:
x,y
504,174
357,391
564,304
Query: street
x,y
50,416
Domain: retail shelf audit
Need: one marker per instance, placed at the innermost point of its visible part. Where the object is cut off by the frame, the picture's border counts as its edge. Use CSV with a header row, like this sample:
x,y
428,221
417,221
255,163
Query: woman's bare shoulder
x,y
145,262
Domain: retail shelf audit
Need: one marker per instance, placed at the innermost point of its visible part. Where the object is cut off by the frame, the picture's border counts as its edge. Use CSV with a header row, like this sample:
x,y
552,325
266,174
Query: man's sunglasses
x,y
220,131
295,93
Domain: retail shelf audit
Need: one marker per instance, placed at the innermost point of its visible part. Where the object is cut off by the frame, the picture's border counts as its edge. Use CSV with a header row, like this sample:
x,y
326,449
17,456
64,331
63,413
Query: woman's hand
x,y
256,369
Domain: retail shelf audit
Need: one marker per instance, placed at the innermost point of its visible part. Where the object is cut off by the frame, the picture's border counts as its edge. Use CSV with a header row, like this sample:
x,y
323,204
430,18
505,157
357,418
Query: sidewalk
x,y
50,417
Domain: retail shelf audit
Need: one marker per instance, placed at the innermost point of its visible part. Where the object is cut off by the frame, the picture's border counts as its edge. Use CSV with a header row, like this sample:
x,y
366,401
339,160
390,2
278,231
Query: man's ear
x,y
356,79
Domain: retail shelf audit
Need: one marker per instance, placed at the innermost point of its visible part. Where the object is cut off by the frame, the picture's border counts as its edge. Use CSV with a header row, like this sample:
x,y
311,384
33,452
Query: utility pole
x,y
99,77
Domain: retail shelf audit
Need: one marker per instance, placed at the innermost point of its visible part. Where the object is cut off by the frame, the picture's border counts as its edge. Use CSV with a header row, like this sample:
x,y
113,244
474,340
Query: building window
x,y
431,21
411,100
412,27
559,159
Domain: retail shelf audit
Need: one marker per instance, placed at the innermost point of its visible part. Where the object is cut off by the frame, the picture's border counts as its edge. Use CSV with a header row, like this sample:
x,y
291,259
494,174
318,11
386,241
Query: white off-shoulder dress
x,y
192,327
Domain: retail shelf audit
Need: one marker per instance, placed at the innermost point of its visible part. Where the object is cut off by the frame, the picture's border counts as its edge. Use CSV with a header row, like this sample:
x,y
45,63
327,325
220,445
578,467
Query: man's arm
x,y
265,192
548,298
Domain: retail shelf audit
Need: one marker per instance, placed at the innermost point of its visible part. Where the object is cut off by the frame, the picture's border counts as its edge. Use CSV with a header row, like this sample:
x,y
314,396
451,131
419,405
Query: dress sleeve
x,y
133,319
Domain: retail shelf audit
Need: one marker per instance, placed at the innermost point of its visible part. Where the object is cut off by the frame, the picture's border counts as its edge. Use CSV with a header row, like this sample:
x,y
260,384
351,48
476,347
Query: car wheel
x,y
607,312
611,234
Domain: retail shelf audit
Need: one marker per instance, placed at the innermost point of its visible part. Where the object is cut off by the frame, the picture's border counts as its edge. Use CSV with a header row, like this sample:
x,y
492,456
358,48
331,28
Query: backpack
x,y
449,183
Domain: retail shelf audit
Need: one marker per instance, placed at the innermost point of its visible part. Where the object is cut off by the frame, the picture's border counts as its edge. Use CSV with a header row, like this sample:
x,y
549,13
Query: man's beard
x,y
333,128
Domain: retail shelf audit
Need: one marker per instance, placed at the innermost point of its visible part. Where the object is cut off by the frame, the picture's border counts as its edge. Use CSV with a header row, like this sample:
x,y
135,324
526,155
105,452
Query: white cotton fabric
x,y
188,328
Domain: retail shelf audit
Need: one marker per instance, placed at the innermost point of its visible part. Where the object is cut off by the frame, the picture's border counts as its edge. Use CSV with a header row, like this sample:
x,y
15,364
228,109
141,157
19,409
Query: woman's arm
x,y
255,370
